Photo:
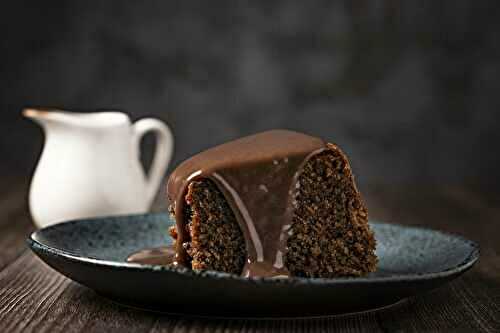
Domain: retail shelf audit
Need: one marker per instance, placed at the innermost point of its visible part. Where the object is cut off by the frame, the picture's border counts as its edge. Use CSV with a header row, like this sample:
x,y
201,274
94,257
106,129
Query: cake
x,y
277,203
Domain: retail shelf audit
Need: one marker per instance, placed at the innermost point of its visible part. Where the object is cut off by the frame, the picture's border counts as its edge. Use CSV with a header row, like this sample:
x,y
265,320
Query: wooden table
x,y
33,297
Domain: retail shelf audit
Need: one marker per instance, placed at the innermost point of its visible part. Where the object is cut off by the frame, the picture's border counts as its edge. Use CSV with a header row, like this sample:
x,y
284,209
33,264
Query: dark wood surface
x,y
33,297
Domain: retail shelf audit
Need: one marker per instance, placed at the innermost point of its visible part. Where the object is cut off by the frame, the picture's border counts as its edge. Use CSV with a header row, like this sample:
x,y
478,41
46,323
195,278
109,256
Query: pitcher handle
x,y
163,152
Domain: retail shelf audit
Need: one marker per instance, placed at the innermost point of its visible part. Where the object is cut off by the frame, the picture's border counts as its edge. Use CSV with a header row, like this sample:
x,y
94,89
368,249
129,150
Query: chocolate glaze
x,y
163,256
257,175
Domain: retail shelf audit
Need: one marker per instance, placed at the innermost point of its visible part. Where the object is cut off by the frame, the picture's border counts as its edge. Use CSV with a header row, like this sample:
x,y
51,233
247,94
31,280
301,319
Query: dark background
x,y
410,90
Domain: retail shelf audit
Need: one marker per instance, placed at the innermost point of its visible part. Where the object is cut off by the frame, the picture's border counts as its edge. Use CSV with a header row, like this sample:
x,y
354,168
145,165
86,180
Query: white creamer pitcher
x,y
90,165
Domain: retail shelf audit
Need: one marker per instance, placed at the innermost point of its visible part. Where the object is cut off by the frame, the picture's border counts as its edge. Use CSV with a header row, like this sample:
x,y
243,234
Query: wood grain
x,y
34,298
15,223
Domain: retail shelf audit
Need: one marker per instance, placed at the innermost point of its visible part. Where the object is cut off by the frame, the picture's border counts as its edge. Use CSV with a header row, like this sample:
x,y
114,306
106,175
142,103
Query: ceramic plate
x,y
93,252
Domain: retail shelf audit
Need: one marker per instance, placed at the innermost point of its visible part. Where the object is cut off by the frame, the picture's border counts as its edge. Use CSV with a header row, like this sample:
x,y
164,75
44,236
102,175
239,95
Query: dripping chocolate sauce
x,y
258,177
163,256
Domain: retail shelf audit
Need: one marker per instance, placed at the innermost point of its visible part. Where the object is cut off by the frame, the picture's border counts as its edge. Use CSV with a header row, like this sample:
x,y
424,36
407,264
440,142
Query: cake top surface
x,y
272,146
257,176
265,146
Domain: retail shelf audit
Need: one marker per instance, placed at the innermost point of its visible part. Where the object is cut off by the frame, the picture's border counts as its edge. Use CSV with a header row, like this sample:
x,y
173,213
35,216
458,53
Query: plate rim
x,y
465,265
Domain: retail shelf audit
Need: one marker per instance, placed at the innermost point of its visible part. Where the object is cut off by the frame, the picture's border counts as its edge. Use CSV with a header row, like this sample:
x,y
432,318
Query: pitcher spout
x,y
43,116
107,119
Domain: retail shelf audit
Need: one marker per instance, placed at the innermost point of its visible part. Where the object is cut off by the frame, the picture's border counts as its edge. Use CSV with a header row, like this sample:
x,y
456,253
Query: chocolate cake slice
x,y
275,203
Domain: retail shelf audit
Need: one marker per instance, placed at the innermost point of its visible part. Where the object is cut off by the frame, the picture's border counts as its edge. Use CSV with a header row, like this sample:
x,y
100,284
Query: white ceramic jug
x,y
90,165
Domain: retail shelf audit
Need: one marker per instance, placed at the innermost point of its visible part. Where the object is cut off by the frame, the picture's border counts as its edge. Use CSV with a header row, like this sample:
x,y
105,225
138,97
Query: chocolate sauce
x,y
163,256
257,175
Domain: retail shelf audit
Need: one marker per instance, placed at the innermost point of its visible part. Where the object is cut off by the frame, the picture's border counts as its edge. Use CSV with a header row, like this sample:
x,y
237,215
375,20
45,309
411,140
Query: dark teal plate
x,y
93,252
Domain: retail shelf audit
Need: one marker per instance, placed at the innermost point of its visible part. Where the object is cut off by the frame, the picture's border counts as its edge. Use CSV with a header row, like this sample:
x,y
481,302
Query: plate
x,y
93,252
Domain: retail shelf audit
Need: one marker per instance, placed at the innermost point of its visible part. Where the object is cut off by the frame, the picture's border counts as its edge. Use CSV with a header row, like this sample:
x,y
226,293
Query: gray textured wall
x,y
411,90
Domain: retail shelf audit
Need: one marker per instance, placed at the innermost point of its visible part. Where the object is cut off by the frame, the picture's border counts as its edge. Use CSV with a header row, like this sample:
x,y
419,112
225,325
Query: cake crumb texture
x,y
215,239
330,233
329,237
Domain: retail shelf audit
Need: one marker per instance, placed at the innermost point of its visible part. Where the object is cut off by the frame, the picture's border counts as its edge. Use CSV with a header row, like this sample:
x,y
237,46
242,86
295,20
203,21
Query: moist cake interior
x,y
329,234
